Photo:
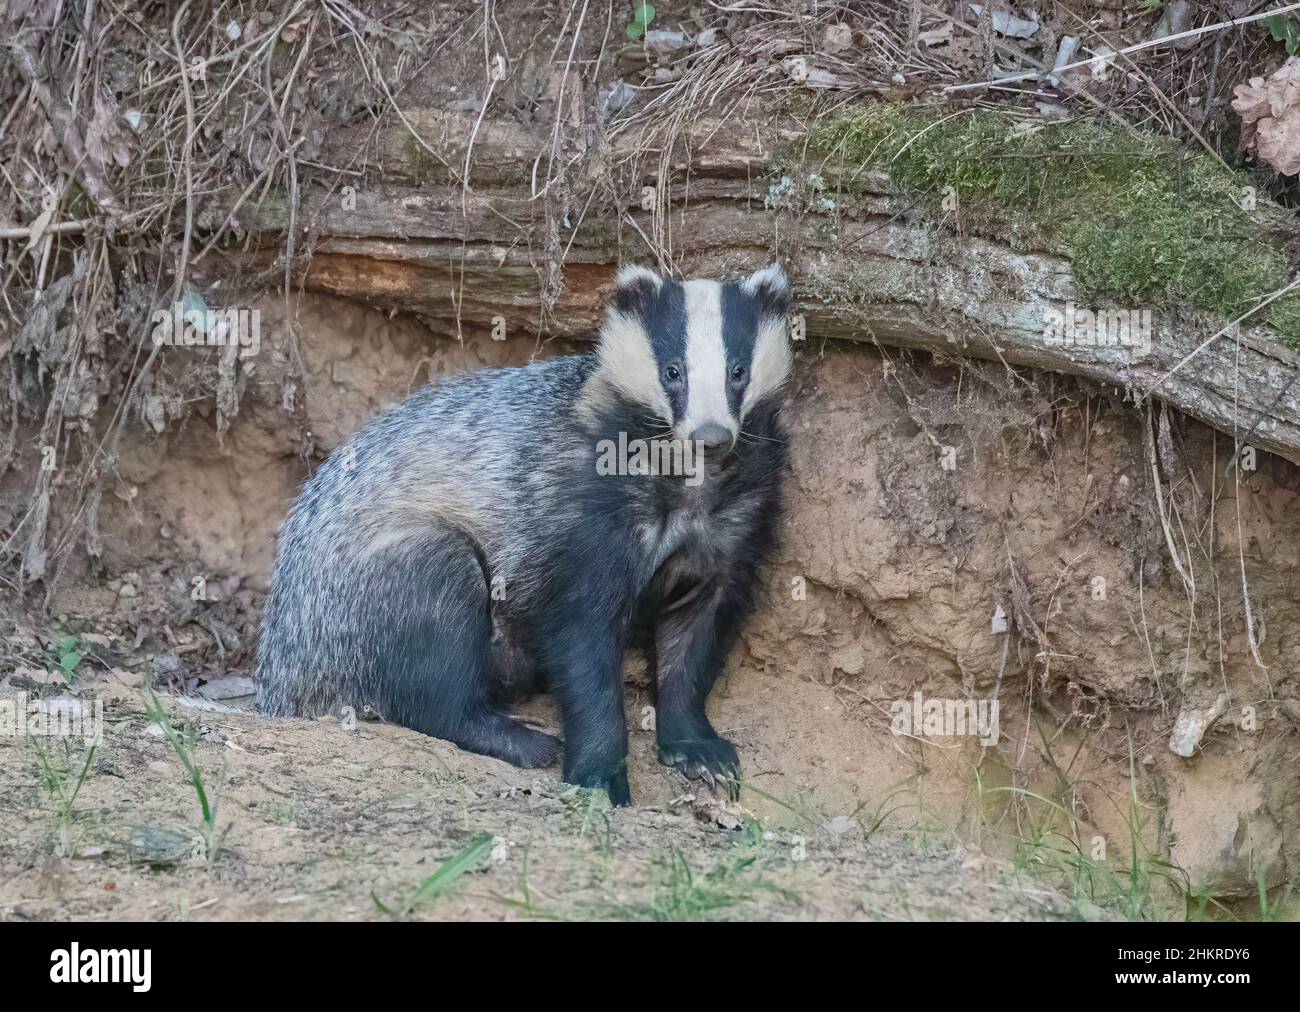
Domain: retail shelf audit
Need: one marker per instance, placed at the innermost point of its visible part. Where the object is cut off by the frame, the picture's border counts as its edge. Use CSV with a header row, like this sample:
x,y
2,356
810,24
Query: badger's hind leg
x,y
515,674
433,655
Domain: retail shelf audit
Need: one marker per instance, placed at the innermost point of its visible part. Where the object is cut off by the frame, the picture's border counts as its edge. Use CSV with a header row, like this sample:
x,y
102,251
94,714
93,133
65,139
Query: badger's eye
x,y
672,374
738,373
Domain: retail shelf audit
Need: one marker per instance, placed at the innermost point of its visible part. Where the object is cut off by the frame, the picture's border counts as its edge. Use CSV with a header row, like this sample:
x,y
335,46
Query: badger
x,y
467,548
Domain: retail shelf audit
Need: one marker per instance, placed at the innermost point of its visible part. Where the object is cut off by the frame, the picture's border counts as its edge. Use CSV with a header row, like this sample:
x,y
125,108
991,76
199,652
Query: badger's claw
x,y
710,760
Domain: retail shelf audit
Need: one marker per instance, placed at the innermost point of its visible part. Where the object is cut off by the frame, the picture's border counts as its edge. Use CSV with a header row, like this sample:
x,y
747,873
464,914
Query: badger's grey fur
x,y
462,550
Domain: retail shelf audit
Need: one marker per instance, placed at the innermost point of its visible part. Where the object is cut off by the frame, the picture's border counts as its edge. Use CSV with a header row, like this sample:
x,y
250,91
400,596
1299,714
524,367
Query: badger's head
x,y
698,355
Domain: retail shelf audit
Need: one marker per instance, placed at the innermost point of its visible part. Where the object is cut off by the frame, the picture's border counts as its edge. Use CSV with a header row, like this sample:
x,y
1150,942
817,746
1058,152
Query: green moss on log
x,y
1139,216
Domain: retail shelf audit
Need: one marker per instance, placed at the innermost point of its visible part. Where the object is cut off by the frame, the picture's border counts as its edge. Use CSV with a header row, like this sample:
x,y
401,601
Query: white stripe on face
x,y
706,361
771,365
627,358
772,360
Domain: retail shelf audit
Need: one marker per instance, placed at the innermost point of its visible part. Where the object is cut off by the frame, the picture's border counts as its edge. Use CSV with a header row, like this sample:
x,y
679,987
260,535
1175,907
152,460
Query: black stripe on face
x,y
664,317
741,314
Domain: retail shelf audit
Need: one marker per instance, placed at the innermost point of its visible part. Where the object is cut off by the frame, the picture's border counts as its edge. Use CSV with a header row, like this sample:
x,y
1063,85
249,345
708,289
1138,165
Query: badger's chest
x,y
695,538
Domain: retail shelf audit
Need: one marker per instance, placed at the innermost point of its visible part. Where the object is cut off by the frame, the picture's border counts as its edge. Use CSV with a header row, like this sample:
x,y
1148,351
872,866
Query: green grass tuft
x,y
469,858
183,743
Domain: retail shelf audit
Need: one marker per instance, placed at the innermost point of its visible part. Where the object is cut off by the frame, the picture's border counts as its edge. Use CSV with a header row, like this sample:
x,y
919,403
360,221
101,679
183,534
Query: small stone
x,y
664,43
840,825
837,38
1191,725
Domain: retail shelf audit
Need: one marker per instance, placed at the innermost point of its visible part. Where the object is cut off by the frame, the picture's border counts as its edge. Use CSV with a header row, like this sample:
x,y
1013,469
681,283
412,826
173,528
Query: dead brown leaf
x,y
1270,114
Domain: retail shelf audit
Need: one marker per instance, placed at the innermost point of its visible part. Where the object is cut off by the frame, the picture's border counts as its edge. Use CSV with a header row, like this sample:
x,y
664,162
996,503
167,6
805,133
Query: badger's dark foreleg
x,y
586,679
692,637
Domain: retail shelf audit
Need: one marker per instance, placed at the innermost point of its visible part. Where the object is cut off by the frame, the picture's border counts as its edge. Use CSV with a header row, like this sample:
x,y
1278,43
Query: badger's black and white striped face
x,y
699,354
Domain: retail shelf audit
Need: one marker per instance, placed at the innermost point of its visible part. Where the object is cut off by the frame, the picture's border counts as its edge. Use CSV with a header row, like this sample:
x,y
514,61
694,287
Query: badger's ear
x,y
771,289
635,289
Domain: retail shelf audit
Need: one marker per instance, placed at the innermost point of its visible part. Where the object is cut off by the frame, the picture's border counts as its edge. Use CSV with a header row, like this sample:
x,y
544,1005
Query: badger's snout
x,y
712,436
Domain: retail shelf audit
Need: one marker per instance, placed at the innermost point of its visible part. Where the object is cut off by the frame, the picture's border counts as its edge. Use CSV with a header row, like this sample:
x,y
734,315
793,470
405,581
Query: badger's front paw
x,y
708,759
602,778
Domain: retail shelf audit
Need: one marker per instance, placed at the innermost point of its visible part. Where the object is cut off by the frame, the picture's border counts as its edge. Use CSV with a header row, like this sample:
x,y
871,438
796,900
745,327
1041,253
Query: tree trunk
x,y
468,256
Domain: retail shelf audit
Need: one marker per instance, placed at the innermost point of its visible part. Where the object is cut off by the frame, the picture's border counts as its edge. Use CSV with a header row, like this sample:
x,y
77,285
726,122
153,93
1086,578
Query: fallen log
x,y
468,253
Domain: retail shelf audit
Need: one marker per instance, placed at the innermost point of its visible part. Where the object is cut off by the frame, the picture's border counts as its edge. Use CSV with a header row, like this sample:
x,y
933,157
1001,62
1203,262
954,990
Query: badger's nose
x,y
712,436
